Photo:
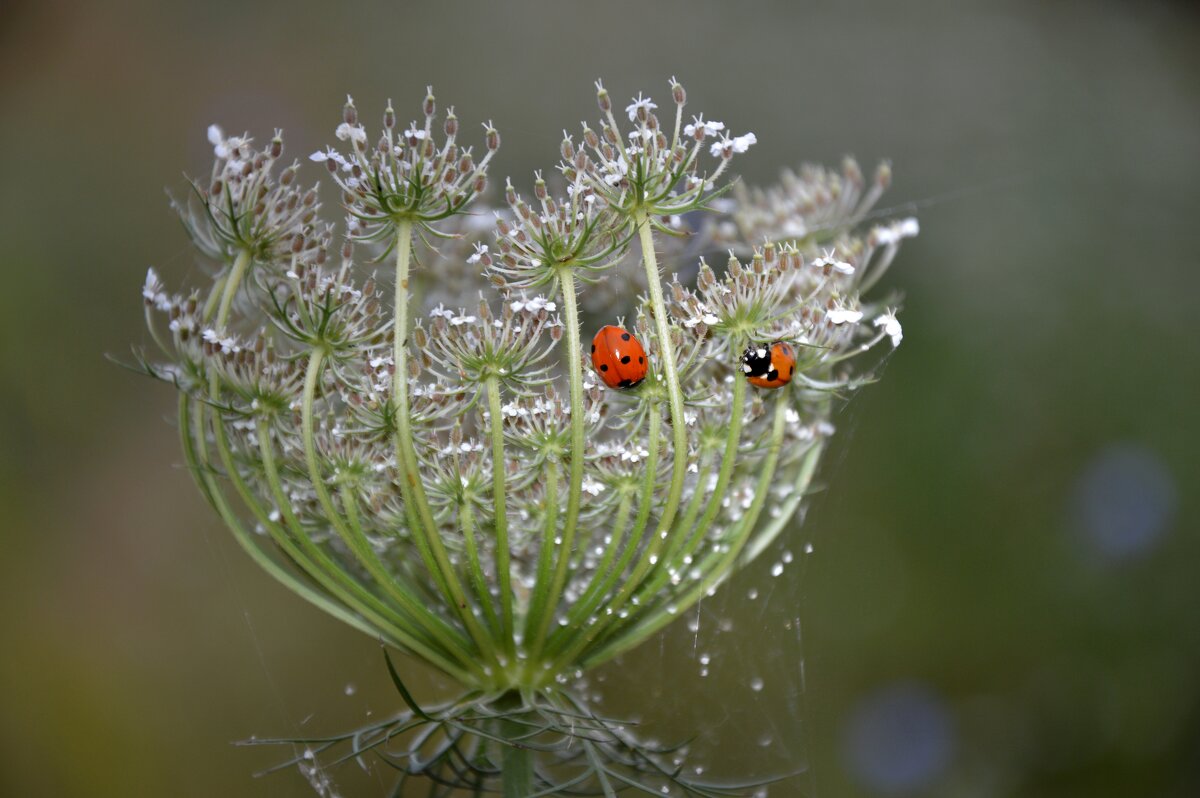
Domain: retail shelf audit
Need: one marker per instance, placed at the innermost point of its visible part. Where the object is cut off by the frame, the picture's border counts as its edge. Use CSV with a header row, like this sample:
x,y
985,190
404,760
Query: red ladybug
x,y
618,357
769,366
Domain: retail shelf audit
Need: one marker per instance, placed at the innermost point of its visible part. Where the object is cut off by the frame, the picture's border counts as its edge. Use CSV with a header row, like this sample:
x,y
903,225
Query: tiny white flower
x,y
354,133
891,327
415,132
839,266
743,143
843,316
708,128
639,102
480,251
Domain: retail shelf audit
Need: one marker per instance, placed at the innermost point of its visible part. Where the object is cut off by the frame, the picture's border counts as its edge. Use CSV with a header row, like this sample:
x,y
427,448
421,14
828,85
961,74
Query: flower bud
x,y
491,138
451,126
349,112
428,107
883,174
677,93
276,145
389,117
602,99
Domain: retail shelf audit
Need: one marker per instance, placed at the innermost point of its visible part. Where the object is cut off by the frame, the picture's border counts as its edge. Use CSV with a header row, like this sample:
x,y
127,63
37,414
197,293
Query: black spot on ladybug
x,y
624,384
625,359
772,375
604,367
625,336
641,359
593,347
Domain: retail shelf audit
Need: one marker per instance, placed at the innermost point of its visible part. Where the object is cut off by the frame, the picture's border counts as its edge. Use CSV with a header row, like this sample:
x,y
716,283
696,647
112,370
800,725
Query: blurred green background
x,y
1003,595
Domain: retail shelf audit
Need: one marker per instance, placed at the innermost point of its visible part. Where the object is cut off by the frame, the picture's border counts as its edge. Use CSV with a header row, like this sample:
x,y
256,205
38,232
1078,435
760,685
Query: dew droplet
x,y
756,684
350,689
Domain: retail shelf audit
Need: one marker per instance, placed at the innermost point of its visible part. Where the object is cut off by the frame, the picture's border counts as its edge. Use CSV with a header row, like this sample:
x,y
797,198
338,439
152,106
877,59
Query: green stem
x,y
575,479
516,759
576,640
334,578
425,530
545,565
232,282
466,517
719,564
666,352
591,597
499,500
202,472
729,457
351,533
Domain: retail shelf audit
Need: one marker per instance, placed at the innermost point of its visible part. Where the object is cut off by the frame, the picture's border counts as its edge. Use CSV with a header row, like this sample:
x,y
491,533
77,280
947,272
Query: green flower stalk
x,y
403,426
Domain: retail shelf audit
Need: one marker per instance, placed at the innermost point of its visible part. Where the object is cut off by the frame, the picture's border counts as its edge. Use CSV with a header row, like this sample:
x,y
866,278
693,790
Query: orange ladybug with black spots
x,y
618,357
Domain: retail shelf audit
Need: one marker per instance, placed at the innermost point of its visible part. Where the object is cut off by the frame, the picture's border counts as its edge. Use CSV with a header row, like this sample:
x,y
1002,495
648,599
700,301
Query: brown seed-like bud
x,y
429,107
602,99
567,149
677,93
539,189
451,126
216,188
276,146
389,117
349,112
480,183
590,138
289,175
491,137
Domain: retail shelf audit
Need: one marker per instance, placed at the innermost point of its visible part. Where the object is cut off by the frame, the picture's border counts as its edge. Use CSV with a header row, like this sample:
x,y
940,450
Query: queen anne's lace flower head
x,y
399,420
